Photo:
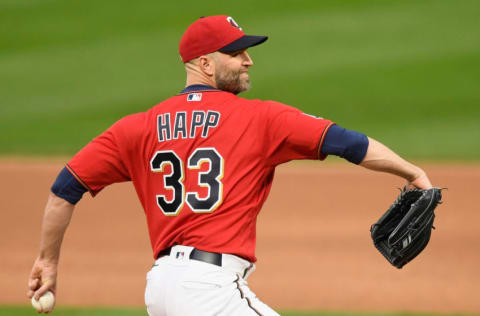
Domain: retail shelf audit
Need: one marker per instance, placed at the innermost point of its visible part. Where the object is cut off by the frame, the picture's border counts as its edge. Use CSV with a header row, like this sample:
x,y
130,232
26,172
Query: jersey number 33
x,y
210,179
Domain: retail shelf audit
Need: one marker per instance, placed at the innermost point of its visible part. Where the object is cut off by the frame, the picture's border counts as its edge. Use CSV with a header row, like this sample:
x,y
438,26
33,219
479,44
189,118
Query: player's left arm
x,y
43,276
97,165
66,192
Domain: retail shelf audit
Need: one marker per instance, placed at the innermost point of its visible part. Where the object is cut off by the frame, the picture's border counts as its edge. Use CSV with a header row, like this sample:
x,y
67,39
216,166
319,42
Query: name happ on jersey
x,y
176,126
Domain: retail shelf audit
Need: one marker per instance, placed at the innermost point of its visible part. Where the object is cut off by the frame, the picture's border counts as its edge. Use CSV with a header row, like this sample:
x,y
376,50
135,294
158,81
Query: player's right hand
x,y
421,182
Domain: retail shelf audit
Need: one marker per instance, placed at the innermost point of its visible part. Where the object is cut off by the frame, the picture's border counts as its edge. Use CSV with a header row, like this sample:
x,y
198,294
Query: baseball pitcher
x,y
202,163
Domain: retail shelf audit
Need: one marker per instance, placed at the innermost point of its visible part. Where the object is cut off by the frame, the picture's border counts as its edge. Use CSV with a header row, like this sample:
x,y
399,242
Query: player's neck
x,y
193,79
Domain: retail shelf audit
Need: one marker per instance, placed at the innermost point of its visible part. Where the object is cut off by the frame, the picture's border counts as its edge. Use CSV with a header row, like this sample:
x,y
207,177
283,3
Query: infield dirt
x,y
313,241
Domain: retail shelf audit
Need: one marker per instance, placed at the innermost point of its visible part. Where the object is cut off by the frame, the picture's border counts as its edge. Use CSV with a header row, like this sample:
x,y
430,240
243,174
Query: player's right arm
x,y
371,154
380,158
293,135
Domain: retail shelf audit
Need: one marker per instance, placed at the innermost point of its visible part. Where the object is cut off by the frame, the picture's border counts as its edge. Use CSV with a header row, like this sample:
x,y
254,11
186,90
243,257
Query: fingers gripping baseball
x,y
42,279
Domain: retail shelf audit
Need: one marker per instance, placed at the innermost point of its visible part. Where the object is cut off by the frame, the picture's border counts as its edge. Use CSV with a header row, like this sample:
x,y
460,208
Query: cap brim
x,y
243,43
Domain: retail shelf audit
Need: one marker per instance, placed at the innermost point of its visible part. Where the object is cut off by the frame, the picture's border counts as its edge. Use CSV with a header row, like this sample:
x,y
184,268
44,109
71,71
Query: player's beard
x,y
231,81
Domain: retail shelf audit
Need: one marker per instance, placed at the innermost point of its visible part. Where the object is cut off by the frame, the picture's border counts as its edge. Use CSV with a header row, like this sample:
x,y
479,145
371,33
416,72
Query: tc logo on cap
x,y
233,23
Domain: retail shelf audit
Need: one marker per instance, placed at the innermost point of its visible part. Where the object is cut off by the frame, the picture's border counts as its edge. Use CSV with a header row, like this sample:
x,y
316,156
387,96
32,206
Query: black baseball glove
x,y
404,230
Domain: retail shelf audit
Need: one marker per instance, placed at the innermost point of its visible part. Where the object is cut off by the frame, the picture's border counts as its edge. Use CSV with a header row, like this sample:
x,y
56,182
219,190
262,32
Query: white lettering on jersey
x,y
175,126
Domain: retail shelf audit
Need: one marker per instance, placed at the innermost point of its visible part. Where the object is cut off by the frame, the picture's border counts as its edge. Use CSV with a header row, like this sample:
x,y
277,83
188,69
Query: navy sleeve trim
x,y
80,180
345,143
67,187
320,154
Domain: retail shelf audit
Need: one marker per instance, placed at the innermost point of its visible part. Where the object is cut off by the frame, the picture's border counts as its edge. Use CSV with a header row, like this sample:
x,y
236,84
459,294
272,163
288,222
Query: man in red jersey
x,y
202,163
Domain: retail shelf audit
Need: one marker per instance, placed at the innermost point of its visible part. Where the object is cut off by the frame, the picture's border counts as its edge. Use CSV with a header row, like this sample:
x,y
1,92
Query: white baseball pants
x,y
179,286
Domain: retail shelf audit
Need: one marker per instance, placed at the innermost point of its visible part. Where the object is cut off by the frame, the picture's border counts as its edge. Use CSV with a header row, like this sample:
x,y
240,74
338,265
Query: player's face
x,y
231,71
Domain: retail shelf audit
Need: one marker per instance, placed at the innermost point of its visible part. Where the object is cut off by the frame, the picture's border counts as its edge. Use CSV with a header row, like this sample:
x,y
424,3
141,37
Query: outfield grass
x,y
26,311
404,72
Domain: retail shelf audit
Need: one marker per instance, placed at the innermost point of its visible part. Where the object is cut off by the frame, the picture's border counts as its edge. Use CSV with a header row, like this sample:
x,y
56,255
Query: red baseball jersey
x,y
202,164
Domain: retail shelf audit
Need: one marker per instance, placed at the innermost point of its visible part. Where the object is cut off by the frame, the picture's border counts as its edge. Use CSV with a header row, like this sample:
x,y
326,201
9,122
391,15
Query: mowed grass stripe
x,y
390,69
63,311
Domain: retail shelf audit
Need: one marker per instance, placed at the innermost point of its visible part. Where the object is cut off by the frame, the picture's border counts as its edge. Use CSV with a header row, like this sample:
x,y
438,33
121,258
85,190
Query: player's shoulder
x,y
271,107
132,120
263,103
144,117
130,126
278,106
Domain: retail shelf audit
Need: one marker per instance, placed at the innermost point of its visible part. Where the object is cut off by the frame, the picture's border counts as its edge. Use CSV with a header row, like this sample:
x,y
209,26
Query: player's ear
x,y
207,64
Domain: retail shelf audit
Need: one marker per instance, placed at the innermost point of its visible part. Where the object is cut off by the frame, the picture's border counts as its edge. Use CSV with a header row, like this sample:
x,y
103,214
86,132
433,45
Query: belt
x,y
199,255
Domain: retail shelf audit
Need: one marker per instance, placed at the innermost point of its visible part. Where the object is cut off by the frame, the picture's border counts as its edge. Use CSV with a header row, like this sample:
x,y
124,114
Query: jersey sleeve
x,y
292,134
101,161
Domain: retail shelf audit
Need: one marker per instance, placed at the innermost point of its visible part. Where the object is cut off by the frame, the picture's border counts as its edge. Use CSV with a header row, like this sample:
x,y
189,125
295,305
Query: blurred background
x,y
404,72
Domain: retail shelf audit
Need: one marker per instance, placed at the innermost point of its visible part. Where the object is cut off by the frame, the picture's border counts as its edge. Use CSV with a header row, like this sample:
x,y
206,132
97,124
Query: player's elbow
x,y
348,144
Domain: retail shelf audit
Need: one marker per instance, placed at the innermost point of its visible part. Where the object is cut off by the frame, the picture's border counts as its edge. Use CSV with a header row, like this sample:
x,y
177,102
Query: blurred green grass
x,y
404,72
63,311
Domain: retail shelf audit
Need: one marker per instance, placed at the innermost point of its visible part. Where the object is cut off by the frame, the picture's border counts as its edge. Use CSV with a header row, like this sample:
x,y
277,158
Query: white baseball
x,y
45,303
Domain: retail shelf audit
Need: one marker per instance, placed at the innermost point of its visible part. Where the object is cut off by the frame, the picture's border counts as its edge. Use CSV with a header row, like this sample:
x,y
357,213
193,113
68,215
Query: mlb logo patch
x,y
180,255
194,97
